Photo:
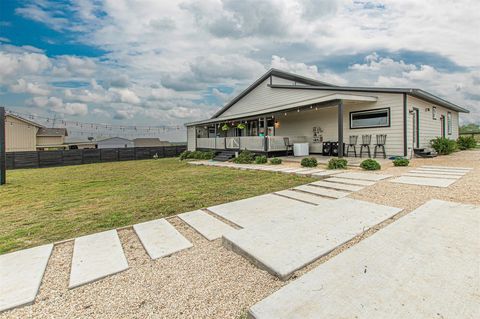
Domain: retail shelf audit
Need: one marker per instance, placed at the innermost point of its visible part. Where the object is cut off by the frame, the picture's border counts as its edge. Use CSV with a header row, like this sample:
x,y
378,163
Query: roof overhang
x,y
323,101
421,94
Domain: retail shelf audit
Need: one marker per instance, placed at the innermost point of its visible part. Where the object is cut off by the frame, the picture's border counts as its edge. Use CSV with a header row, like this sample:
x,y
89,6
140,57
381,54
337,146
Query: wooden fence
x,y
38,159
475,135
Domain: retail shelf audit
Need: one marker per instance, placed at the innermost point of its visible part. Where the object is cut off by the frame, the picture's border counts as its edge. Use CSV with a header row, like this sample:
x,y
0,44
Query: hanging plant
x,y
225,127
241,126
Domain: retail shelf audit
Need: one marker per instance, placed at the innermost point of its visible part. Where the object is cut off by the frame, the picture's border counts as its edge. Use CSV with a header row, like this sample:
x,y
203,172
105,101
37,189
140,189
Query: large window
x,y
370,118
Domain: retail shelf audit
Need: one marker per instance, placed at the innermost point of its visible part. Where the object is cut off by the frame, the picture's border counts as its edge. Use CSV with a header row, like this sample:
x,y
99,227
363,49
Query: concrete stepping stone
x,y
309,172
321,191
261,209
284,247
413,174
207,225
424,170
364,176
294,170
313,199
327,173
21,274
424,265
160,238
340,186
424,181
448,167
349,181
95,257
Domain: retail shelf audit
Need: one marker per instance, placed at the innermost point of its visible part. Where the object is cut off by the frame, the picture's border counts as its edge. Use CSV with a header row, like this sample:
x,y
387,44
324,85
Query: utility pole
x,y
2,146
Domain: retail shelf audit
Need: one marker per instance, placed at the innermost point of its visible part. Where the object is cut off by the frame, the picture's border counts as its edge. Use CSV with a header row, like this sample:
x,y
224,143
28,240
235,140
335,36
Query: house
x,y
114,142
51,139
20,134
149,142
282,108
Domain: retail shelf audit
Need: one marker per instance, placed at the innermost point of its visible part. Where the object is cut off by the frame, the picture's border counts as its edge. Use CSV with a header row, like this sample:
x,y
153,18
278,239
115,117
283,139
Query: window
x,y
449,123
434,112
371,118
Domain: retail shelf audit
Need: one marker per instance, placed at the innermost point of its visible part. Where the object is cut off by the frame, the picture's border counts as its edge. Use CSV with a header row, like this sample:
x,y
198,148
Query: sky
x,y
153,62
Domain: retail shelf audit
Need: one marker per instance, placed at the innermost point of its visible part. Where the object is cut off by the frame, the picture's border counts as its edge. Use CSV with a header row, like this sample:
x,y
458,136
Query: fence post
x,y
3,156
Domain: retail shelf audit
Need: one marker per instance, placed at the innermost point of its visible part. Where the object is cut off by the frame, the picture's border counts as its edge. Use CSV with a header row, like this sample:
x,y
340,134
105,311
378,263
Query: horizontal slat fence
x,y
38,159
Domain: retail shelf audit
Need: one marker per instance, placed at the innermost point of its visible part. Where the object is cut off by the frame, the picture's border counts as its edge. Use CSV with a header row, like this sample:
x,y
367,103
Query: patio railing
x,y
252,143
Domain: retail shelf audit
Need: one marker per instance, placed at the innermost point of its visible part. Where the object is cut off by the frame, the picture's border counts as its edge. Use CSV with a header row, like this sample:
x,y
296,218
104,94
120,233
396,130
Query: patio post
x,y
215,141
2,146
340,129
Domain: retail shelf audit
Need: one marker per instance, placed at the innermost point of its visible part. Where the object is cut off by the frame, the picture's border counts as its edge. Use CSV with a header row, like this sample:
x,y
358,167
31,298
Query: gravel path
x,y
207,281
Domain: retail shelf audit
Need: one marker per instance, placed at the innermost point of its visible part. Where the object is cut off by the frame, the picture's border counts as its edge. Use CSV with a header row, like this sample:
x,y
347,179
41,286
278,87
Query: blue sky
x,y
169,62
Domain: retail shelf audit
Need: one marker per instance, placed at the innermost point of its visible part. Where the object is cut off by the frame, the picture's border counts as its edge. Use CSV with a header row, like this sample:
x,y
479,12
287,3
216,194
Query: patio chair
x,y
366,140
381,138
288,146
352,142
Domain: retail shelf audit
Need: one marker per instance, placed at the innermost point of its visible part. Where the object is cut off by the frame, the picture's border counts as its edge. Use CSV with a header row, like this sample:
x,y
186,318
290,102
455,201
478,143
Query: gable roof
x,y
272,72
114,138
46,131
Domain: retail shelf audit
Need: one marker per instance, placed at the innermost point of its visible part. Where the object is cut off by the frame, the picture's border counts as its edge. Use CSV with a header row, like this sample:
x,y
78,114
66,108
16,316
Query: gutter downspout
x,y
340,129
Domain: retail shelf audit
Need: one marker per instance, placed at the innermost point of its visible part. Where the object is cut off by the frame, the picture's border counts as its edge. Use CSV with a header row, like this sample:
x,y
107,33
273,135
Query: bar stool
x,y
381,138
366,140
352,141
288,146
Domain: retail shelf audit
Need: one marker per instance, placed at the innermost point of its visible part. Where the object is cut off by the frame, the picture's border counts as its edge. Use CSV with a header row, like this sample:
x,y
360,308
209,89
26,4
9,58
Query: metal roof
x,y
424,95
45,131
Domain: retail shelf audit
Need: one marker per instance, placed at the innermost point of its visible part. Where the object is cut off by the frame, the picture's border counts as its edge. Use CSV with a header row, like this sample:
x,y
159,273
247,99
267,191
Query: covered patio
x,y
270,131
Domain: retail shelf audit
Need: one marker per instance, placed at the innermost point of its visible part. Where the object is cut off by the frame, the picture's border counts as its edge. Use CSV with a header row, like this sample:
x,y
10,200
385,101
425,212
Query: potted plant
x,y
225,127
241,126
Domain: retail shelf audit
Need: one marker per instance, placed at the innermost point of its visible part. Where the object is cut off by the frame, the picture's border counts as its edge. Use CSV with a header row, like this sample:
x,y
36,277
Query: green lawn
x,y
40,206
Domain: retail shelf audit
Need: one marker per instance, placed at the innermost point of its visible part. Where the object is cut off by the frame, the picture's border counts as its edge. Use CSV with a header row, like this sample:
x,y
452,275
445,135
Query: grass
x,y
39,206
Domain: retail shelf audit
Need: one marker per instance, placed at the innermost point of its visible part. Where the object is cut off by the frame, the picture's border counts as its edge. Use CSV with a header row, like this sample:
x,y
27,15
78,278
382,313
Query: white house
x,y
281,105
114,142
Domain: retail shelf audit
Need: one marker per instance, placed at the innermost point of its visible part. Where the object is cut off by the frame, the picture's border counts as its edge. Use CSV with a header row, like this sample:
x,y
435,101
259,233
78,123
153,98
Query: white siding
x,y
429,128
191,138
264,97
394,142
302,123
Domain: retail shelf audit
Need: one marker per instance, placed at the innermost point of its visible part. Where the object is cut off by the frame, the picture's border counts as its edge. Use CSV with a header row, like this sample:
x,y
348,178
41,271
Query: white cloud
x,y
23,86
57,105
177,51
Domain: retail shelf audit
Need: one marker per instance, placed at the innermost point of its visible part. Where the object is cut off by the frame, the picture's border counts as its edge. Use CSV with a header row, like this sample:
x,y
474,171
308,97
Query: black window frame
x,y
371,126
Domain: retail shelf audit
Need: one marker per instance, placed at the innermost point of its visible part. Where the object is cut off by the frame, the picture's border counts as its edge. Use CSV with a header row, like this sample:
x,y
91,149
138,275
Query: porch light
x,y
298,110
316,108
311,106
277,124
285,114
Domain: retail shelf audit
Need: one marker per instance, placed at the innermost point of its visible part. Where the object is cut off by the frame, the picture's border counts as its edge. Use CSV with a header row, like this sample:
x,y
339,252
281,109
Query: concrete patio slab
x,y
339,186
294,170
364,176
95,257
313,199
283,248
160,238
448,167
21,274
413,174
349,181
207,225
261,209
321,191
424,265
425,170
424,181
